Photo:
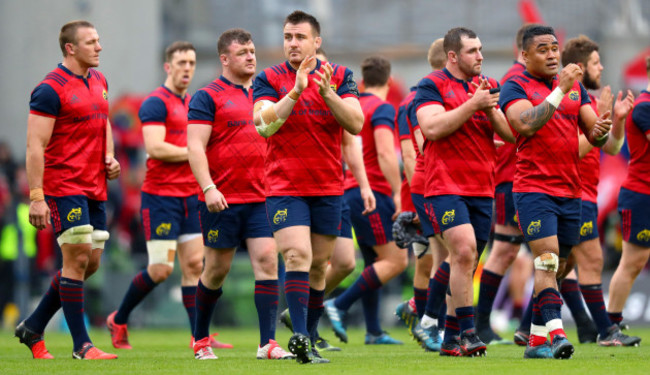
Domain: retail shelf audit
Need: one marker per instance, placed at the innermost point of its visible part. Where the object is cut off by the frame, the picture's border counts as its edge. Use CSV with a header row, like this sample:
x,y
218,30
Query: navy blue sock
x,y
571,294
490,282
267,293
49,305
315,310
206,300
442,314
420,298
368,281
465,316
296,290
139,288
550,304
527,318
370,303
593,295
189,301
452,330
72,302
437,290
615,317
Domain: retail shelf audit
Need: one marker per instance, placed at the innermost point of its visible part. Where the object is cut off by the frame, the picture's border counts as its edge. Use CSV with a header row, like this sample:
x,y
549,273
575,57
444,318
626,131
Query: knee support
x,y
509,238
99,238
76,235
547,262
161,252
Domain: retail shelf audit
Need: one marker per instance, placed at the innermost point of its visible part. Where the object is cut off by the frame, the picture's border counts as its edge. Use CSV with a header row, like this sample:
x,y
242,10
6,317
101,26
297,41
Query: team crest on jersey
x,y
333,86
534,227
213,234
105,94
644,235
448,217
574,95
280,216
74,214
163,229
587,228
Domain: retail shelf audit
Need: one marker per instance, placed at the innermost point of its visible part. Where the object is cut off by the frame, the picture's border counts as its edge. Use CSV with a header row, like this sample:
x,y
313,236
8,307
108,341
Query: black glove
x,y
405,232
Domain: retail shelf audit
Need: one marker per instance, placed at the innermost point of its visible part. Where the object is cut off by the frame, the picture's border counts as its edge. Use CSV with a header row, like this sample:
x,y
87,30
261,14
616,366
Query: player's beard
x,y
589,83
469,70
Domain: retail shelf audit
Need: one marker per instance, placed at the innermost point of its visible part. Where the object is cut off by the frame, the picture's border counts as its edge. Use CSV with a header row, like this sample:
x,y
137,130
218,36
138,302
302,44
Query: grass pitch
x,y
166,352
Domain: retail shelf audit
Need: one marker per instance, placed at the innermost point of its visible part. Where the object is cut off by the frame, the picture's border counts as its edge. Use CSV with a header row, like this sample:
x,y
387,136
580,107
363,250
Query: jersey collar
x,y
291,69
541,80
182,98
227,82
62,67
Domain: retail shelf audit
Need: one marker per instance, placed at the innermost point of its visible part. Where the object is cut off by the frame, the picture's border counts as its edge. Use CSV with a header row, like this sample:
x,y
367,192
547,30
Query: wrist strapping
x,y
555,97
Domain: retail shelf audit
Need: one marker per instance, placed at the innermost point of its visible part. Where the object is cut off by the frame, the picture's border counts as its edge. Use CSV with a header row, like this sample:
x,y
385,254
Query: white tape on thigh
x,y
187,237
161,252
420,249
76,235
547,262
99,238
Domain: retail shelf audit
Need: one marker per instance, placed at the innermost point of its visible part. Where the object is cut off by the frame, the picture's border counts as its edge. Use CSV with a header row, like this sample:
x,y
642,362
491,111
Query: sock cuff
x,y
203,290
591,287
490,278
65,280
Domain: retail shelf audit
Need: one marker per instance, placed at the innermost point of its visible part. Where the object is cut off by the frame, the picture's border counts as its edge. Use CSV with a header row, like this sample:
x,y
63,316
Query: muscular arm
x,y
500,125
527,119
157,148
197,140
353,158
39,131
110,144
387,158
436,123
346,111
408,158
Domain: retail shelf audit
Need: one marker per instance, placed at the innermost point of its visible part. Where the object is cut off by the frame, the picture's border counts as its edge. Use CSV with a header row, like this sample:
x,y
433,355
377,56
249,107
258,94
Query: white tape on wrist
x,y
270,122
555,97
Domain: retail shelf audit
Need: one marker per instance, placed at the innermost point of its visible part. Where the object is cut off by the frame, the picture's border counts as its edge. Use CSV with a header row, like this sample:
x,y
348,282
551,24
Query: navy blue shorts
x,y
229,228
76,210
635,217
425,220
504,205
542,215
453,210
346,222
589,221
322,214
373,229
166,218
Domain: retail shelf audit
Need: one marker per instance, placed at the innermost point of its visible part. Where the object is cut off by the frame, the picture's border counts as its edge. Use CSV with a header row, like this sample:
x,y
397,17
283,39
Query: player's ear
x,y
69,47
168,67
451,56
224,59
318,41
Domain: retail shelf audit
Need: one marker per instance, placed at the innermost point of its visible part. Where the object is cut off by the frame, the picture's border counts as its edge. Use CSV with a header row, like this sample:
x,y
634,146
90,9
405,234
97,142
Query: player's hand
x,y
416,219
369,201
623,107
481,98
602,125
397,199
325,78
302,75
606,99
568,76
112,168
39,213
215,201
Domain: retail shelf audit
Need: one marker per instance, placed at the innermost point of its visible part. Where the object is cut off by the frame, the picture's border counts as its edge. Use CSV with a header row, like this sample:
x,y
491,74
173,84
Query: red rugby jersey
x,y
637,128
304,156
590,167
507,154
164,108
378,114
464,160
408,122
75,155
548,161
235,151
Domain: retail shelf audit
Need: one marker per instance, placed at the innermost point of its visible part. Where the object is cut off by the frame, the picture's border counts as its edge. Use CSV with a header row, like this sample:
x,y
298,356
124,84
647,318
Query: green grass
x,y
167,352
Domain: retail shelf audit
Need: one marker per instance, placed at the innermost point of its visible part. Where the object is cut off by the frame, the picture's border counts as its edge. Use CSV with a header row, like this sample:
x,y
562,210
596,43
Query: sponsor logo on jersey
x,y
644,235
213,234
574,95
74,214
163,229
448,217
587,228
280,216
105,94
534,227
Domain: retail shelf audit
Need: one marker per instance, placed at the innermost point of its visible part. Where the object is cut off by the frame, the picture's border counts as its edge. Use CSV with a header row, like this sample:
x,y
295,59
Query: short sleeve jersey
x,y
378,114
235,151
464,160
548,161
637,128
164,108
507,154
407,122
304,155
75,155
590,167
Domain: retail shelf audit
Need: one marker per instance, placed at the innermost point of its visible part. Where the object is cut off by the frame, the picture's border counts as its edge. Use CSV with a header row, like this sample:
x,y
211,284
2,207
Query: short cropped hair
x,y
436,55
578,50
298,17
375,71
179,46
229,36
532,32
68,33
519,39
452,41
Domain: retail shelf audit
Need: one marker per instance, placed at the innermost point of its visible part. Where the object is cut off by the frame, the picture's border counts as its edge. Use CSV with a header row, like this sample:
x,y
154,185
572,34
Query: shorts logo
x,y
587,228
644,235
574,95
105,94
213,234
74,214
448,217
516,218
280,216
163,229
534,227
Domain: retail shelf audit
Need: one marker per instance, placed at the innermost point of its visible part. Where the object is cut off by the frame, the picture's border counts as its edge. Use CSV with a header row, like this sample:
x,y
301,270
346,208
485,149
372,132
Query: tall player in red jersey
x,y
588,254
546,110
302,107
633,203
69,157
227,158
458,116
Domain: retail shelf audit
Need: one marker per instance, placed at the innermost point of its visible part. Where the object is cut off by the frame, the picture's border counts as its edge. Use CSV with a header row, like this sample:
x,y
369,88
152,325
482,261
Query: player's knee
x,y
344,267
76,235
549,262
295,259
93,266
161,252
465,256
159,272
99,238
267,261
194,267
